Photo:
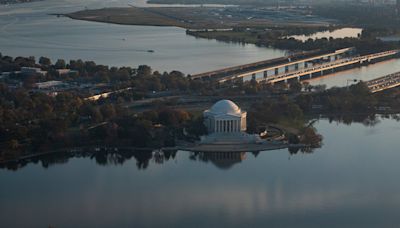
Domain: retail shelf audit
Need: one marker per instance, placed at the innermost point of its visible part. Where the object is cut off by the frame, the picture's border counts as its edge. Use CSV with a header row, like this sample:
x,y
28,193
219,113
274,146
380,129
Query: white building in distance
x,y
226,124
225,117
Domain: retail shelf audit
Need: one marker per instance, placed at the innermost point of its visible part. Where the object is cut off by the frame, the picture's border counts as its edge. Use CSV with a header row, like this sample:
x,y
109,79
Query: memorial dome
x,y
225,107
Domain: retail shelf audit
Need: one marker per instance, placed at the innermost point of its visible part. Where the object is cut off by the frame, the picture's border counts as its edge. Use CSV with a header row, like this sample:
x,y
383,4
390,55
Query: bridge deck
x,y
271,64
384,83
316,68
328,66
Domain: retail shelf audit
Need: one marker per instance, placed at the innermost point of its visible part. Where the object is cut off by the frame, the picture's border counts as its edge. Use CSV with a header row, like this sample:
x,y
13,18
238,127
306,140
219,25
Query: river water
x,y
338,33
28,30
352,181
363,73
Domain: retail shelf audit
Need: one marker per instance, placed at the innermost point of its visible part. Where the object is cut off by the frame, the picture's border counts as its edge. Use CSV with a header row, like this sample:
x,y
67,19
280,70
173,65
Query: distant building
x,y
27,71
49,84
63,72
226,124
225,117
223,160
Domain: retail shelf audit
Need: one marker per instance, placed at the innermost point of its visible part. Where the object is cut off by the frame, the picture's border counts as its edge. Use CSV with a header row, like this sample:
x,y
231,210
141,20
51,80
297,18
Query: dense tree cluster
x,y
354,99
366,43
365,15
143,80
31,122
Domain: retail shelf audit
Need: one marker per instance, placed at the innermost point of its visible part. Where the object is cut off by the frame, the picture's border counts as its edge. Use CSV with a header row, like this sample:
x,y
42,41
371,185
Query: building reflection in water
x,y
222,160
142,158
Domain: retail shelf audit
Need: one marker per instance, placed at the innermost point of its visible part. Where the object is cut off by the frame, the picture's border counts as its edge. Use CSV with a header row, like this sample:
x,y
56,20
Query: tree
x,y
13,144
45,61
60,64
108,111
307,87
144,70
319,88
295,86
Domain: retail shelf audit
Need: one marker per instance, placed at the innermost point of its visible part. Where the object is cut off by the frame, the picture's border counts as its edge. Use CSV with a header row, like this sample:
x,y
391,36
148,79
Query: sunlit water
x,y
352,181
338,33
364,73
28,30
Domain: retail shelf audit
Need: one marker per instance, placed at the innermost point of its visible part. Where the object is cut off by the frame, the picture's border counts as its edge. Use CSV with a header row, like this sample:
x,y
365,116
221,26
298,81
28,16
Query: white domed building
x,y
225,117
226,124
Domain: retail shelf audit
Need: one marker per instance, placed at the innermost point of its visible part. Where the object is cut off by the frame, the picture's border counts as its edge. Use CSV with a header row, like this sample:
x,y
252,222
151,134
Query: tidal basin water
x,y
352,181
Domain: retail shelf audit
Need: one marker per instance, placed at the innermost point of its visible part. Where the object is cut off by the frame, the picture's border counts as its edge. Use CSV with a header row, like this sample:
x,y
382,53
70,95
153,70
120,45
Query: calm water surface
x,y
338,33
352,181
28,30
364,73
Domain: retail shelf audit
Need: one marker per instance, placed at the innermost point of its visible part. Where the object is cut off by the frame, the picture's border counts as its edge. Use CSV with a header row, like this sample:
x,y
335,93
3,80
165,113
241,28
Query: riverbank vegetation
x,y
264,26
202,18
280,38
33,120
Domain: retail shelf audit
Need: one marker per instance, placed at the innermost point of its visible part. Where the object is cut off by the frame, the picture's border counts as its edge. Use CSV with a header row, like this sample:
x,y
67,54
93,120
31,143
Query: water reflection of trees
x,y
102,157
143,158
368,120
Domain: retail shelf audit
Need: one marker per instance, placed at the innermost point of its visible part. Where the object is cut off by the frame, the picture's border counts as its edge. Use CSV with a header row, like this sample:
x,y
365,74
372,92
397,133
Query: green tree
x,y
60,64
295,86
45,61
144,70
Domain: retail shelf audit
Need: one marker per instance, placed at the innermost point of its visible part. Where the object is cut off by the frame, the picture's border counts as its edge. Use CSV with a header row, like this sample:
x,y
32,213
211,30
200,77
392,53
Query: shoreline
x,y
194,148
190,17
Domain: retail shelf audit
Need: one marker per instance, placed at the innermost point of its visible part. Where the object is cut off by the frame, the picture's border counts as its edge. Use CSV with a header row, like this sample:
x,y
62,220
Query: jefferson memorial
x,y
226,124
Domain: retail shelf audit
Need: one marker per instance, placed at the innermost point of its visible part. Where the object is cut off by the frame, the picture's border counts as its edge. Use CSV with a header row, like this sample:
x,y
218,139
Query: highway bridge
x,y
384,83
327,67
275,66
303,65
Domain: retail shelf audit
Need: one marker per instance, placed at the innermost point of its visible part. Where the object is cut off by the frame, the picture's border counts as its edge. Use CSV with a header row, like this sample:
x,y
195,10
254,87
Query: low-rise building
x,y
32,71
49,84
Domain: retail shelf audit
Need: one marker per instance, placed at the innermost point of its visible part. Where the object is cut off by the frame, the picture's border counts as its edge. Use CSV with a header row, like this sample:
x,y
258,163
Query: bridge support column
x,y
305,64
296,66
286,69
253,76
265,74
276,71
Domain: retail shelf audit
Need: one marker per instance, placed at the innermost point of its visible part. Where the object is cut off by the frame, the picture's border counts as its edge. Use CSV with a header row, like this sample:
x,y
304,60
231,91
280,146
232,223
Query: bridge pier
x,y
276,71
305,64
296,66
253,76
265,74
286,69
